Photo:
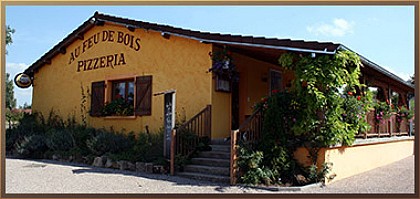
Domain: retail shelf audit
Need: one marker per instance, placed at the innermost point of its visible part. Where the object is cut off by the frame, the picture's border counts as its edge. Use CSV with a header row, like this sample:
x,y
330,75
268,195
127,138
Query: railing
x,y
249,132
387,127
186,137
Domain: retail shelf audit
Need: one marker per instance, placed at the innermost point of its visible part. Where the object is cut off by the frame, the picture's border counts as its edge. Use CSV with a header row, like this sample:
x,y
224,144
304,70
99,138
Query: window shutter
x,y
97,99
144,95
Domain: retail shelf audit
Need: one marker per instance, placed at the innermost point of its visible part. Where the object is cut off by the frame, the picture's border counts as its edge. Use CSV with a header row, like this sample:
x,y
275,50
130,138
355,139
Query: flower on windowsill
x,y
118,107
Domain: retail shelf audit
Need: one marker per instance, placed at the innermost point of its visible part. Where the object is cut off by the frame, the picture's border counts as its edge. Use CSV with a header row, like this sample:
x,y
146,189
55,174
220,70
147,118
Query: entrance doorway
x,y
235,105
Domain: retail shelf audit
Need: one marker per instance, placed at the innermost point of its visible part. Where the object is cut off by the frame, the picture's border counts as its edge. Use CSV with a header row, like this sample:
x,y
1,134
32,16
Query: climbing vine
x,y
325,106
317,86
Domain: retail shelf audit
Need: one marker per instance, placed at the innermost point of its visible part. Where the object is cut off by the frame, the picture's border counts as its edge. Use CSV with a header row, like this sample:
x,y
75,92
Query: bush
x,y
253,171
32,146
80,135
12,136
109,142
40,137
149,147
60,140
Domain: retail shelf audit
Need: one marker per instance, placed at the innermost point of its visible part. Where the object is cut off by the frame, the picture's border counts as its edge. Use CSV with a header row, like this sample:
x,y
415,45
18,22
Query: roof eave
x,y
378,68
61,46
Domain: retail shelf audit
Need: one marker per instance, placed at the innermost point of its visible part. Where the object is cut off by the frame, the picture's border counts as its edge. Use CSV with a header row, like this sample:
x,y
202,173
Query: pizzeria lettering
x,y
101,62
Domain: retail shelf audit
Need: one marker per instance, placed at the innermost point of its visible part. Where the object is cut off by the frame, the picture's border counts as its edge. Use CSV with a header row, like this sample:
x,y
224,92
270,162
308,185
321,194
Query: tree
x,y
10,94
10,97
9,32
411,80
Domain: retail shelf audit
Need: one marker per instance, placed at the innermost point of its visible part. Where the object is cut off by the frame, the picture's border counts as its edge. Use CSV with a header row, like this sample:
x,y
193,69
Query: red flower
x,y
350,93
358,98
387,101
274,91
264,99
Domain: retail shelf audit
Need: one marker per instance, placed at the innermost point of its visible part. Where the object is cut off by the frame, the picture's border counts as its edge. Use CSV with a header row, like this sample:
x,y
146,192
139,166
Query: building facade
x,y
118,65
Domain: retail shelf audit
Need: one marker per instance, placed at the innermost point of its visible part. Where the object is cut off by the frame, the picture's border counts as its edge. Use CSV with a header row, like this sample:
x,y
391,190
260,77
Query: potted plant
x,y
118,107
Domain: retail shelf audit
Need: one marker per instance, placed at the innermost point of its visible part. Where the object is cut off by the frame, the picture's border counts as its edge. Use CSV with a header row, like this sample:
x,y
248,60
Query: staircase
x,y
211,165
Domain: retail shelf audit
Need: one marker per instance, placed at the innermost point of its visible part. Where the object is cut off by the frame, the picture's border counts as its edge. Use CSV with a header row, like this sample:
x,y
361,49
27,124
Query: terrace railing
x,y
387,127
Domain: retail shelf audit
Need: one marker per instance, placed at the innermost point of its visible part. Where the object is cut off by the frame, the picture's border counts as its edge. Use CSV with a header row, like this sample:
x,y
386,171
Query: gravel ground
x,y
27,176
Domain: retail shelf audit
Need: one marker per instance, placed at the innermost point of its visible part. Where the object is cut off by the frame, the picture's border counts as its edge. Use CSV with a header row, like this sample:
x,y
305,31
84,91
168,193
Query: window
x,y
125,97
123,90
222,83
275,81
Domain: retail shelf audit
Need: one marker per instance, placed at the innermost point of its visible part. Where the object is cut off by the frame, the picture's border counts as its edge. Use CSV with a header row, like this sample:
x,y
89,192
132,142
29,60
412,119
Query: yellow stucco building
x,y
104,58
107,59
108,71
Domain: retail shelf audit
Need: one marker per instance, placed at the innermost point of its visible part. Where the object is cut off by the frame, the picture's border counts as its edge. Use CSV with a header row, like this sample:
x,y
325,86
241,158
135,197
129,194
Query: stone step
x,y
222,171
214,154
221,141
211,162
225,148
207,177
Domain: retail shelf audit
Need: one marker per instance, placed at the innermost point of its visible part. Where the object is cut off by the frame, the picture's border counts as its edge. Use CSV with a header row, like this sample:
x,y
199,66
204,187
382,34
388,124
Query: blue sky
x,y
383,34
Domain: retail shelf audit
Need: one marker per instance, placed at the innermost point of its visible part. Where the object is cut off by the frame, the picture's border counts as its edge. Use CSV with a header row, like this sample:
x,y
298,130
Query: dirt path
x,y
27,176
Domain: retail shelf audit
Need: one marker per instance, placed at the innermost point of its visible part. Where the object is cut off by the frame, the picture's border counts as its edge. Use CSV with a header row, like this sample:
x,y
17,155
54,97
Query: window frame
x,y
126,88
219,78
270,89
109,92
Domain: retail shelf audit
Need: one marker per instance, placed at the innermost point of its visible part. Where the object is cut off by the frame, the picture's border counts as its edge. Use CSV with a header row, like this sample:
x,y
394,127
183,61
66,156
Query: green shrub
x,y
149,147
250,163
32,146
109,142
125,155
319,176
80,135
12,136
60,140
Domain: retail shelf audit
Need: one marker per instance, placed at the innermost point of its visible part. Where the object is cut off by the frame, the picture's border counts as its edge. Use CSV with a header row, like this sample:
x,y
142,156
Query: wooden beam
x,y
47,61
62,50
80,36
172,157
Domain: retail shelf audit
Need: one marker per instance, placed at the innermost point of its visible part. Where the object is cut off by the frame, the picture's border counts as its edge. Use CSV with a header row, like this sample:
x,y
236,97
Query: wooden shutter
x,y
97,98
143,95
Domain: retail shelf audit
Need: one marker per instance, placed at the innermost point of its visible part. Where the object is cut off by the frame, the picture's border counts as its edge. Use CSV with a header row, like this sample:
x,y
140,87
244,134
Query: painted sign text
x,y
101,62
109,36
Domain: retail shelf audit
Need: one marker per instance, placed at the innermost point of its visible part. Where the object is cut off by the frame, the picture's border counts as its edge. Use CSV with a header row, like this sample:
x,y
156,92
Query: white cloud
x,y
338,28
22,95
15,68
402,75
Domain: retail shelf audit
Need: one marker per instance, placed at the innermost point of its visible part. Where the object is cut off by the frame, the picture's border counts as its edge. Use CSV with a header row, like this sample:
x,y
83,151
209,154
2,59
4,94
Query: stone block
x,y
140,166
149,167
123,165
98,162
